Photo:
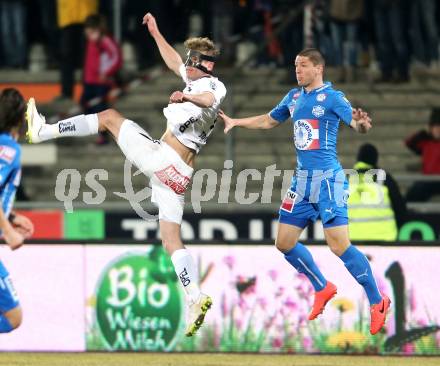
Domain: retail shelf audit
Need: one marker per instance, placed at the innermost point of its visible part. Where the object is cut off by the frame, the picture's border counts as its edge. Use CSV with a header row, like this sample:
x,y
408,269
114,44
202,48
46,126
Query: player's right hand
x,y
176,97
228,121
13,238
150,21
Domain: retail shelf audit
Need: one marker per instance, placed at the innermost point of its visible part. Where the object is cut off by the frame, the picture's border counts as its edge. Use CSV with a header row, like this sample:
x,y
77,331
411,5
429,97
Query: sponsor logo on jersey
x,y
188,123
172,178
306,134
66,127
7,153
296,95
212,85
289,201
321,97
318,111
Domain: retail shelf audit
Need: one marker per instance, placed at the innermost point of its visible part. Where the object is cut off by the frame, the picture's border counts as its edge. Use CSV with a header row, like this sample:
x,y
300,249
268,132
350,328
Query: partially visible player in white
x,y
191,115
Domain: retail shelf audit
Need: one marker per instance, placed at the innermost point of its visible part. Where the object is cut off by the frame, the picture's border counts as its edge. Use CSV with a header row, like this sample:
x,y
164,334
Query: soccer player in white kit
x,y
191,115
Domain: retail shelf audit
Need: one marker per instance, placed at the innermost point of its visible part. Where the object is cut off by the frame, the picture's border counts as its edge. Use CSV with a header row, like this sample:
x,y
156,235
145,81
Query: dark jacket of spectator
x,y
346,10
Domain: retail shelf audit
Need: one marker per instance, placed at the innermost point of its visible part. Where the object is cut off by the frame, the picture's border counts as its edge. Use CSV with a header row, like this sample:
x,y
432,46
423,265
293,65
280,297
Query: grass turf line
x,y
197,359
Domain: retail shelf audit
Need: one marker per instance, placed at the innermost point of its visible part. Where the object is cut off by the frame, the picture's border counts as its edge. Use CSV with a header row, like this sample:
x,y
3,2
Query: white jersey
x,y
191,124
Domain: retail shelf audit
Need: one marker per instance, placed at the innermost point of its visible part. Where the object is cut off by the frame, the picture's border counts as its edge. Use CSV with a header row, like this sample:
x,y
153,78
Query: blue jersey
x,y
10,170
10,174
315,116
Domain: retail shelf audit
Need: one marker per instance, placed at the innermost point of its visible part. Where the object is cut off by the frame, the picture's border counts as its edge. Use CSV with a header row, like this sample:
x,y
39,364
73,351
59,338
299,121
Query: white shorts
x,y
169,174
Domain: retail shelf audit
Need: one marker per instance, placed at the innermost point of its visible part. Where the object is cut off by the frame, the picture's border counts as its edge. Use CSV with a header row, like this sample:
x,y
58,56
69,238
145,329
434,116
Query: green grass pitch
x,y
197,359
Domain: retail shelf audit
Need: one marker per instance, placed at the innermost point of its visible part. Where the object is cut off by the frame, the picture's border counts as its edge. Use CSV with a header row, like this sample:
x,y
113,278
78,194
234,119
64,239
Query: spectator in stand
x,y
262,11
426,144
71,16
47,17
321,30
103,60
423,32
345,17
223,13
375,209
292,35
13,33
391,48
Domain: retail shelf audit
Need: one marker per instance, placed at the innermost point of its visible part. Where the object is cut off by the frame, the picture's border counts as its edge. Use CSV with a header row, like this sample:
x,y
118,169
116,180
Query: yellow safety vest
x,y
370,214
75,11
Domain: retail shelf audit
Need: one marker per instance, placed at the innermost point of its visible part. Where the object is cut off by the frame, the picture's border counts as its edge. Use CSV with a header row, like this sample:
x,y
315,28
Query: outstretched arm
x,y
203,100
361,122
168,53
263,122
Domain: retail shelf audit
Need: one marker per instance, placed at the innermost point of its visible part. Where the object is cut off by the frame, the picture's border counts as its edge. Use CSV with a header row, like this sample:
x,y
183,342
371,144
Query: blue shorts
x,y
309,199
8,295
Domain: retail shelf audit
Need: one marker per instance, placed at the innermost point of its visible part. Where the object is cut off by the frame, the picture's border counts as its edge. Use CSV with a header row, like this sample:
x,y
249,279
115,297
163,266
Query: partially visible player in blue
x,y
14,228
319,187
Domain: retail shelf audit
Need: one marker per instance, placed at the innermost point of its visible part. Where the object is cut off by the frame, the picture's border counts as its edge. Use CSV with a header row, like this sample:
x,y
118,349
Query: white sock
x,y
187,273
81,125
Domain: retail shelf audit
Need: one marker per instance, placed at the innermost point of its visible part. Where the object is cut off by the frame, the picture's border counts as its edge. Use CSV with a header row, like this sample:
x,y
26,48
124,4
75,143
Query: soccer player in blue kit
x,y
319,187
15,228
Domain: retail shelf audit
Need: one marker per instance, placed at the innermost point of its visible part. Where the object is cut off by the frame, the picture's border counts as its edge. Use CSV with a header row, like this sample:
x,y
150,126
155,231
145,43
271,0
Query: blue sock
x,y
359,267
5,326
300,258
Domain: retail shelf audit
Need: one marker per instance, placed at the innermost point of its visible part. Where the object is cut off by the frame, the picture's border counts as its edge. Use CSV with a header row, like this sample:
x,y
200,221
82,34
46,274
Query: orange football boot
x,y
378,314
322,298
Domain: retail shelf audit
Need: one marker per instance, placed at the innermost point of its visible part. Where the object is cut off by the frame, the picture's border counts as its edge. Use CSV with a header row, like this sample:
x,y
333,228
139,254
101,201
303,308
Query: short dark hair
x,y
12,109
434,119
368,154
313,55
96,21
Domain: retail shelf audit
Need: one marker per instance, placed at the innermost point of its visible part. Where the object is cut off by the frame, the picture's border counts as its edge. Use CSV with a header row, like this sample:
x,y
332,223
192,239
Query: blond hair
x,y
202,44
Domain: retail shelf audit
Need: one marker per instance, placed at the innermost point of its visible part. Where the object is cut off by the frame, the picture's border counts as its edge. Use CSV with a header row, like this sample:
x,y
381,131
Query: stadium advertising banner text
x,y
248,226
127,298
260,303
97,225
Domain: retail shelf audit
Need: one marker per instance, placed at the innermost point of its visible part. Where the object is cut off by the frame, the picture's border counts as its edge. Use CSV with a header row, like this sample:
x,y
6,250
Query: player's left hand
x,y
363,120
364,124
356,113
177,97
23,225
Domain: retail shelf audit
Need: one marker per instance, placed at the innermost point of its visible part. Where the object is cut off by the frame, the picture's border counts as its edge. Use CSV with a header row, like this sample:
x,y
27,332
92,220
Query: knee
x,y
284,245
110,117
336,248
336,245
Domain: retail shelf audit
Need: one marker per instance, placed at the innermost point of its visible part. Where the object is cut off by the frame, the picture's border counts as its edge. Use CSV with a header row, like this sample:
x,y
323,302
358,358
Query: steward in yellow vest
x,y
374,207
